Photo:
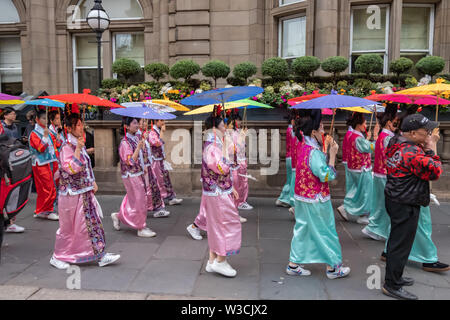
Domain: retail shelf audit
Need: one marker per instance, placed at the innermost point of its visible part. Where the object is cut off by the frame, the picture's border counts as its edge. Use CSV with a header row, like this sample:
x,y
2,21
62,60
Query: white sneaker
x,y
339,272
279,203
58,263
342,213
161,214
146,233
14,228
223,268
53,216
362,220
299,271
243,220
209,266
372,235
175,201
245,206
108,259
116,221
194,232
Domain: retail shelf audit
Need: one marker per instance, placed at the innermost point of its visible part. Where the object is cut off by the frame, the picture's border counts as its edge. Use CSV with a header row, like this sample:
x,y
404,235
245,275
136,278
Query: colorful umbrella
x,y
144,113
169,103
408,99
438,89
334,101
152,105
8,99
210,108
314,95
84,98
45,103
220,96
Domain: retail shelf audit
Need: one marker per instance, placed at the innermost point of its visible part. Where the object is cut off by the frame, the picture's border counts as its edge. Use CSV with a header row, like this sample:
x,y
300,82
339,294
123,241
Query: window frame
x,y
14,69
281,4
77,10
431,28
75,68
280,33
113,37
385,52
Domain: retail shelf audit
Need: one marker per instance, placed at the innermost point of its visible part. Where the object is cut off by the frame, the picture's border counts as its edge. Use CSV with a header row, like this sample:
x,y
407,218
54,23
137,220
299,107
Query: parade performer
x,y
284,198
133,210
56,129
240,181
315,239
158,166
155,202
378,227
80,237
44,166
222,217
412,162
357,202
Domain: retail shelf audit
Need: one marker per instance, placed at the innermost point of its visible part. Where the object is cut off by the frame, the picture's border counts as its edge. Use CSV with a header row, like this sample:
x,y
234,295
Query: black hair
x,y
8,111
356,119
52,115
126,121
389,114
72,120
39,114
232,119
303,127
212,122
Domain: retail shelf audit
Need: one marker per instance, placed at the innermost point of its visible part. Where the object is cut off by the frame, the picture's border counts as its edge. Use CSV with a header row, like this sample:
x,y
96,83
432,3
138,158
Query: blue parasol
x,y
152,105
45,103
334,101
220,96
144,113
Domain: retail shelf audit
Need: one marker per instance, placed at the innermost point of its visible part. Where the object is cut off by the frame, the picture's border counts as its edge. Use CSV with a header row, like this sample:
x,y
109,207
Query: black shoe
x,y
407,282
400,294
435,267
383,256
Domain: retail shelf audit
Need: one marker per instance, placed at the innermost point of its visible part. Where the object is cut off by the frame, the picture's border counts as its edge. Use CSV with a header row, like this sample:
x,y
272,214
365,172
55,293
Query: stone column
x,y
326,29
164,32
395,29
341,134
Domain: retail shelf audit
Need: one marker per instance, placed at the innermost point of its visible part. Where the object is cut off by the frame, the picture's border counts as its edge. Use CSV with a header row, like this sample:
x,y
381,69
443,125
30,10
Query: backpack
x,y
15,175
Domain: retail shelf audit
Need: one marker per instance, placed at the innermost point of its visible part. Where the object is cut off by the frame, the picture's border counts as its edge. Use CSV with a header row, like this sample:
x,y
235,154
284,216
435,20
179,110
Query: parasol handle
x,y
245,117
332,123
371,120
437,108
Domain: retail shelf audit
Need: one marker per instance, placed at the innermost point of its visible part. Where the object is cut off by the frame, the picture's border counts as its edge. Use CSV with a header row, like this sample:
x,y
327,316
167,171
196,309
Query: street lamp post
x,y
99,21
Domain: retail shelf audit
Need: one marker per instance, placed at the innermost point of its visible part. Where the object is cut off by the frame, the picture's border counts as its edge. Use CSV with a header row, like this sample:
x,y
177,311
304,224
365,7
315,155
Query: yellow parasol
x,y
11,101
210,108
169,103
438,89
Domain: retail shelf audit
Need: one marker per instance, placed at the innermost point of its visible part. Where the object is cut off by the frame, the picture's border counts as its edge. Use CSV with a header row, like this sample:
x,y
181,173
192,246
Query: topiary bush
x,y
402,65
126,68
411,82
157,70
216,69
431,65
369,63
335,65
110,83
276,68
184,69
244,70
304,66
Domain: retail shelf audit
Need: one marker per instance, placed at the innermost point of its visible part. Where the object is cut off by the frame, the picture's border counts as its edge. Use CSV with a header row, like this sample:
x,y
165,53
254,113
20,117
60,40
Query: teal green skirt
x,y
379,221
358,196
285,195
315,238
292,189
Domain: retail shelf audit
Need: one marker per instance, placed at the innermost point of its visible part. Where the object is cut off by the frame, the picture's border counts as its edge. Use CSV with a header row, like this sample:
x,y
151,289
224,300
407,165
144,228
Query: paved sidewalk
x,y
171,266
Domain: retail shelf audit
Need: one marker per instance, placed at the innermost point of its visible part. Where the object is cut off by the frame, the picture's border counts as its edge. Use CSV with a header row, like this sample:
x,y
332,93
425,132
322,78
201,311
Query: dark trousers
x,y
404,221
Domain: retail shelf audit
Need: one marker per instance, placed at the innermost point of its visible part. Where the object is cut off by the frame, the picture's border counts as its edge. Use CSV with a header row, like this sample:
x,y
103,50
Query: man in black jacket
x,y
411,162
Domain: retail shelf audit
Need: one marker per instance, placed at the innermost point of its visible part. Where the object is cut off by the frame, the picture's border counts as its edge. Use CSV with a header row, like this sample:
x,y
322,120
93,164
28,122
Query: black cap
x,y
417,121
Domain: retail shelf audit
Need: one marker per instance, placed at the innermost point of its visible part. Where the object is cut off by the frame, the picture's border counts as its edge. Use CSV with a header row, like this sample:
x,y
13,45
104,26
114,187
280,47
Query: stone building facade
x,y
50,45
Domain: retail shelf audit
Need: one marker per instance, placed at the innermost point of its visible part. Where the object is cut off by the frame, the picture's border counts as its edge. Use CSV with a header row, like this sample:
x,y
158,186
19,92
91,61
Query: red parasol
x,y
315,94
408,99
84,98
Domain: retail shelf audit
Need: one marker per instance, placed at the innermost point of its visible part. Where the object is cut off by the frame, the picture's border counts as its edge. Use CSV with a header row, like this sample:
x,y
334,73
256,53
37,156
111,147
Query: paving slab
x,y
178,247
16,292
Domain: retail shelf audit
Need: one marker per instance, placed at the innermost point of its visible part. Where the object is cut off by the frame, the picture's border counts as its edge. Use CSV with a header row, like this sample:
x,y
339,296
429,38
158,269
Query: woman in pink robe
x,y
217,205
133,211
80,237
